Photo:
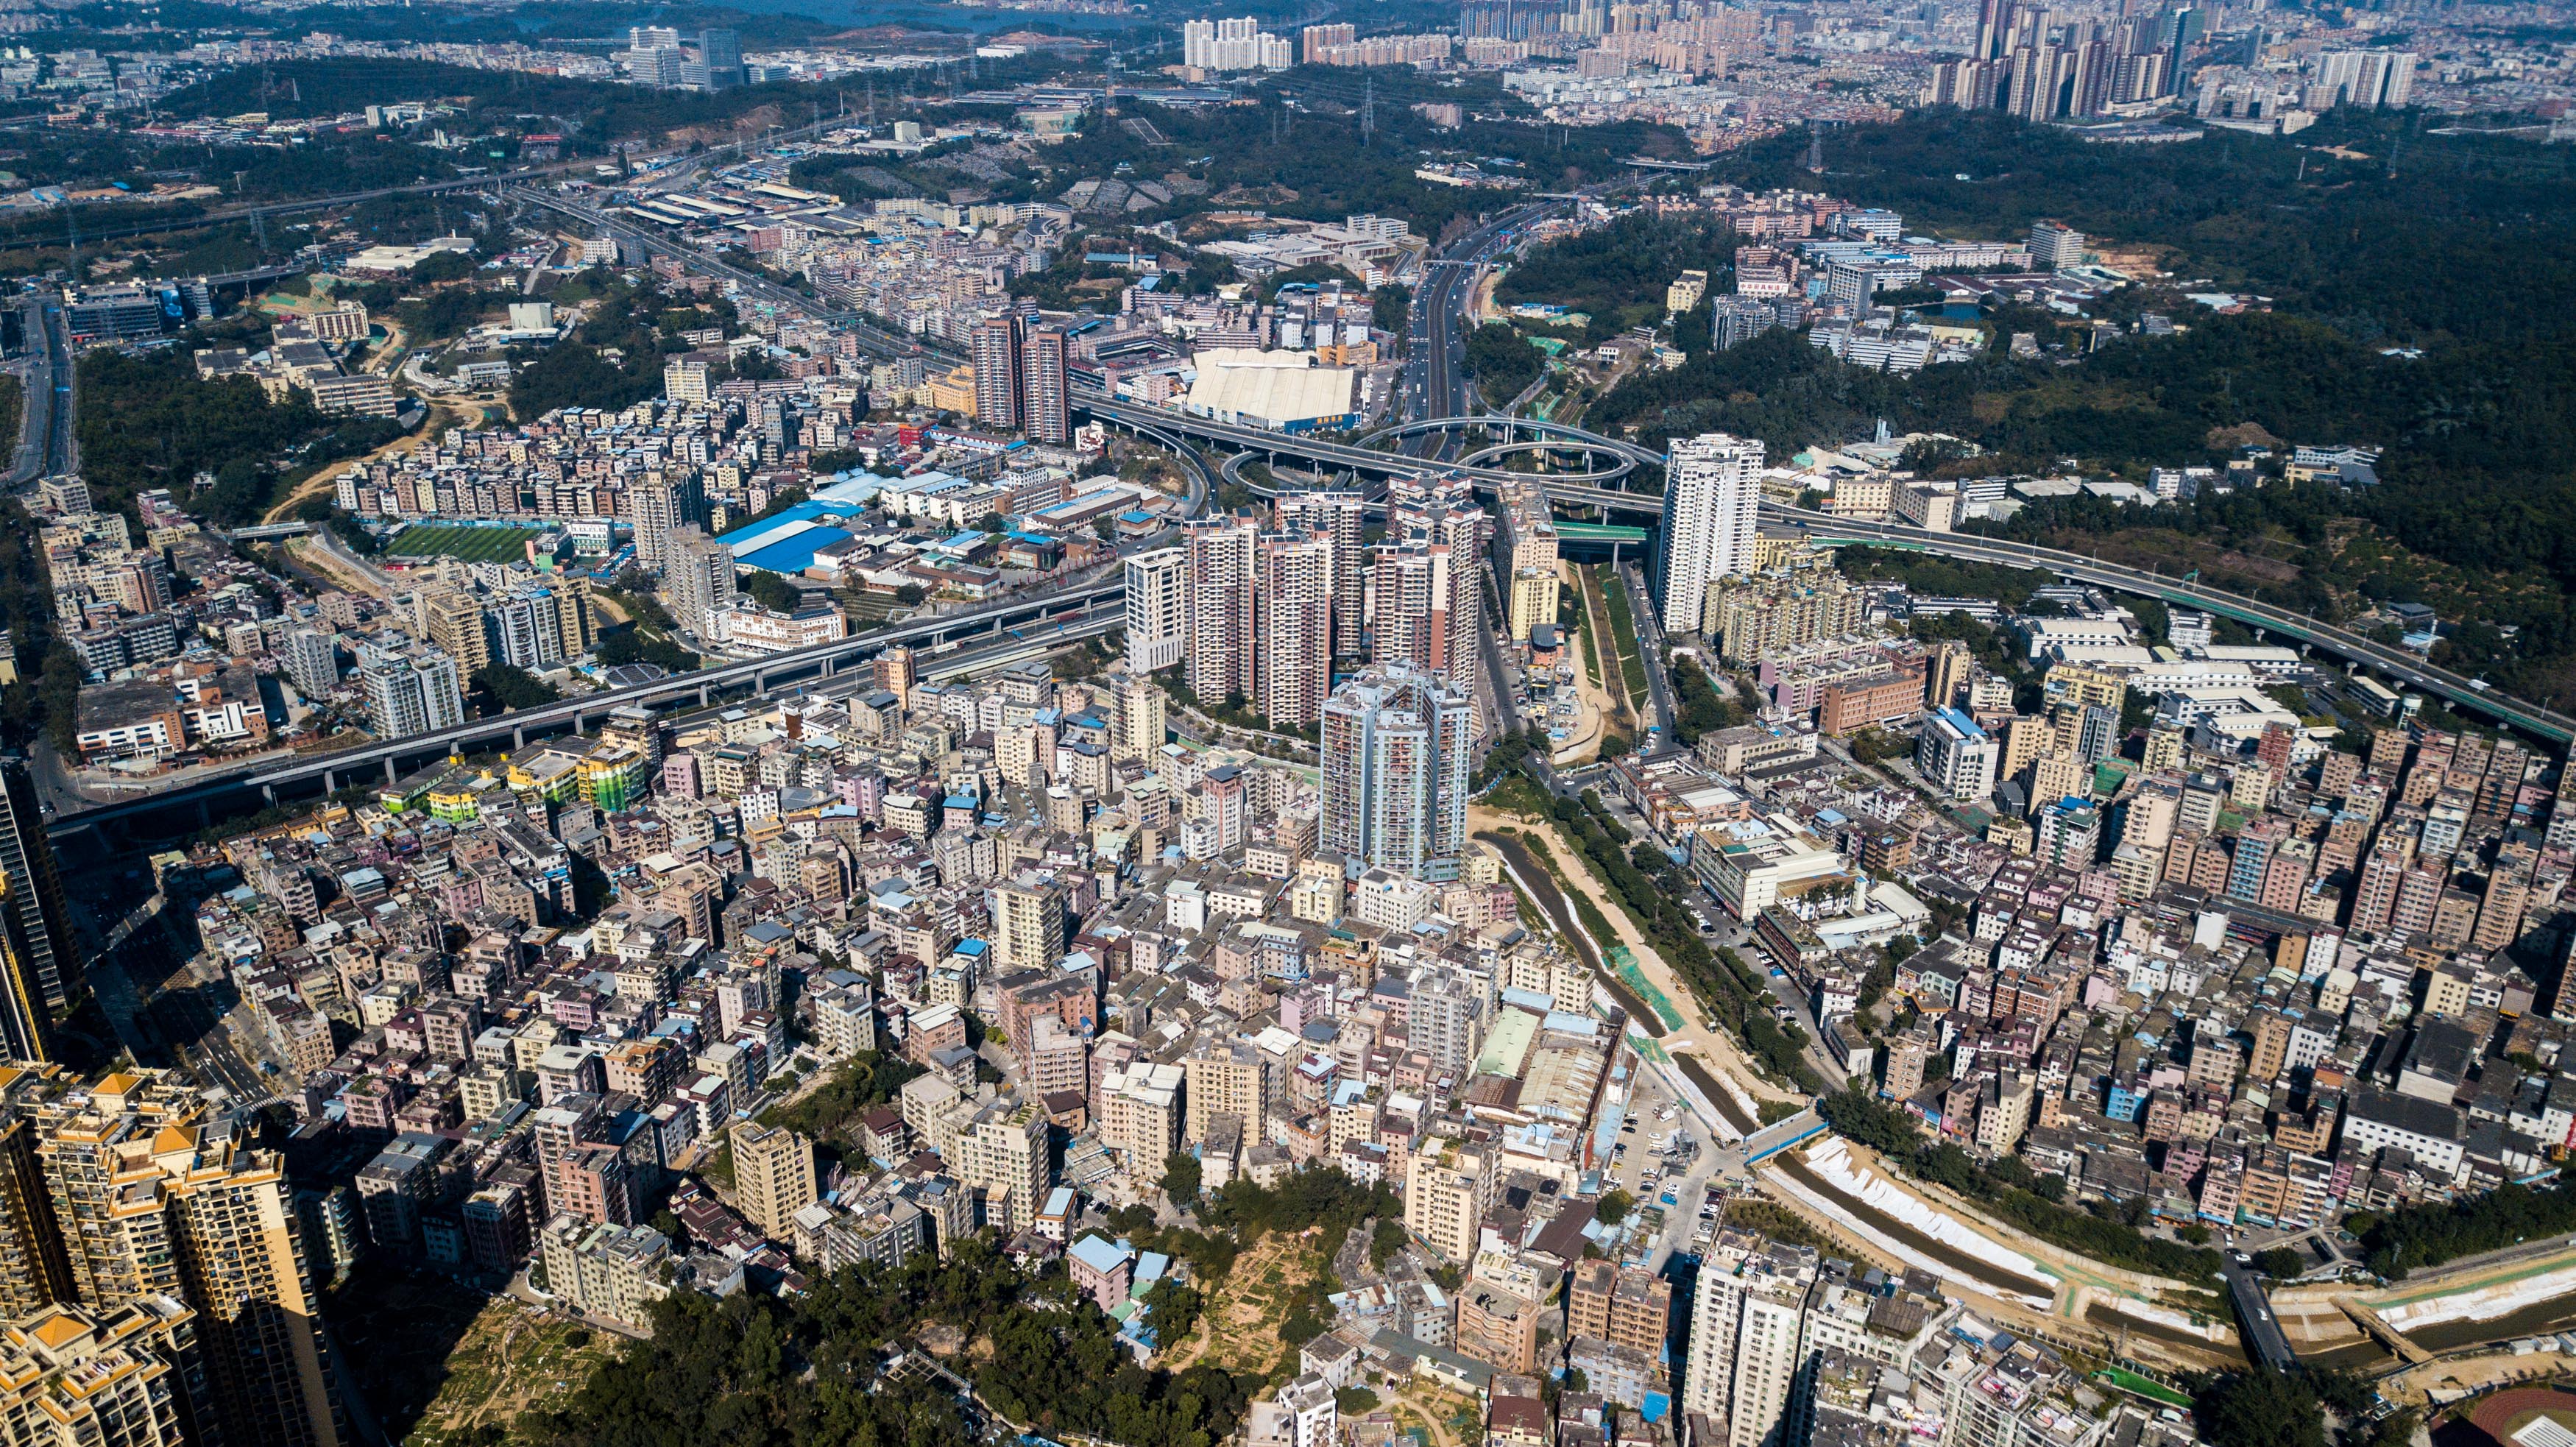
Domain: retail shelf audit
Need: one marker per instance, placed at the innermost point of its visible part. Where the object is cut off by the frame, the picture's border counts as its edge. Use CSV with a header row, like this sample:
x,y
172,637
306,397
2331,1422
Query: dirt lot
x,y
1612,694
1440,1413
438,1358
442,415
1596,711
323,561
511,1359
2506,1412
1240,1329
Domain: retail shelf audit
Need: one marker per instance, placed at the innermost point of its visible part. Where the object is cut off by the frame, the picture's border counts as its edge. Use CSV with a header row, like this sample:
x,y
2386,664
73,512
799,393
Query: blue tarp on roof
x,y
803,514
794,554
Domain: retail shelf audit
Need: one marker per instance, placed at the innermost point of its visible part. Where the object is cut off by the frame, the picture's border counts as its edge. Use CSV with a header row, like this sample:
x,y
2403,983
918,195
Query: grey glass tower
x,y
42,972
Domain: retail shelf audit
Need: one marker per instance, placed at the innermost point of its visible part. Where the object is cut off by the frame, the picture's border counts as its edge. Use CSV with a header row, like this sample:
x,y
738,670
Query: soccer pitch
x,y
474,545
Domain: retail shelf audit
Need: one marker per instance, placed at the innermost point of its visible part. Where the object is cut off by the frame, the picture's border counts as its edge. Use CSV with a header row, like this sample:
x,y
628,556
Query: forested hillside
x,y
2423,308
2363,221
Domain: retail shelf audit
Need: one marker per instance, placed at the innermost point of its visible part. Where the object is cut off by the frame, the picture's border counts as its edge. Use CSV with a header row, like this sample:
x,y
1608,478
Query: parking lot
x,y
1663,1160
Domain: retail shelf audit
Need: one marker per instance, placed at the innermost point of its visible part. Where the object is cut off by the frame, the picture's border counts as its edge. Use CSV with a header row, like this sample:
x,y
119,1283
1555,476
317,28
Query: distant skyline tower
x,y
720,51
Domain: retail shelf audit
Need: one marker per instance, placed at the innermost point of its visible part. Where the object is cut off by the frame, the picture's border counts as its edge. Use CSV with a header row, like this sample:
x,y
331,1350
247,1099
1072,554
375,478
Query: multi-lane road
x,y
45,446
1436,385
223,215
749,283
2474,695
1022,618
280,208
1436,380
1631,575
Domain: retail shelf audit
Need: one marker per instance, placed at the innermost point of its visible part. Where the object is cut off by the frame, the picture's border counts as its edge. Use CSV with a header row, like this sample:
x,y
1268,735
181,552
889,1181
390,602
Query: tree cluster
x,y
2411,251
1706,706
1300,147
590,113
1503,361
511,687
151,421
753,1369
830,1113
2413,1237
771,591
2302,1407
637,321
1616,275
2475,473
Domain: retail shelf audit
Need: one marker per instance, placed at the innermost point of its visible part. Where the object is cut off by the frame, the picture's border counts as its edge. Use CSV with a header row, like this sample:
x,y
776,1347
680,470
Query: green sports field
x,y
474,545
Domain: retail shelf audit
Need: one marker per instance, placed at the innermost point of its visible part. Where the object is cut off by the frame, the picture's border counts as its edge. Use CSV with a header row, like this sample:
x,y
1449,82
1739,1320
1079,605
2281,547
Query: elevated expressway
x,y
1373,462
2397,663
1047,611
226,215
1582,490
1169,428
1053,615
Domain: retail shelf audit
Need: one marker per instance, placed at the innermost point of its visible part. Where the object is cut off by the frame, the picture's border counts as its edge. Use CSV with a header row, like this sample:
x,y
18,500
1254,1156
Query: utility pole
x,y
1368,112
